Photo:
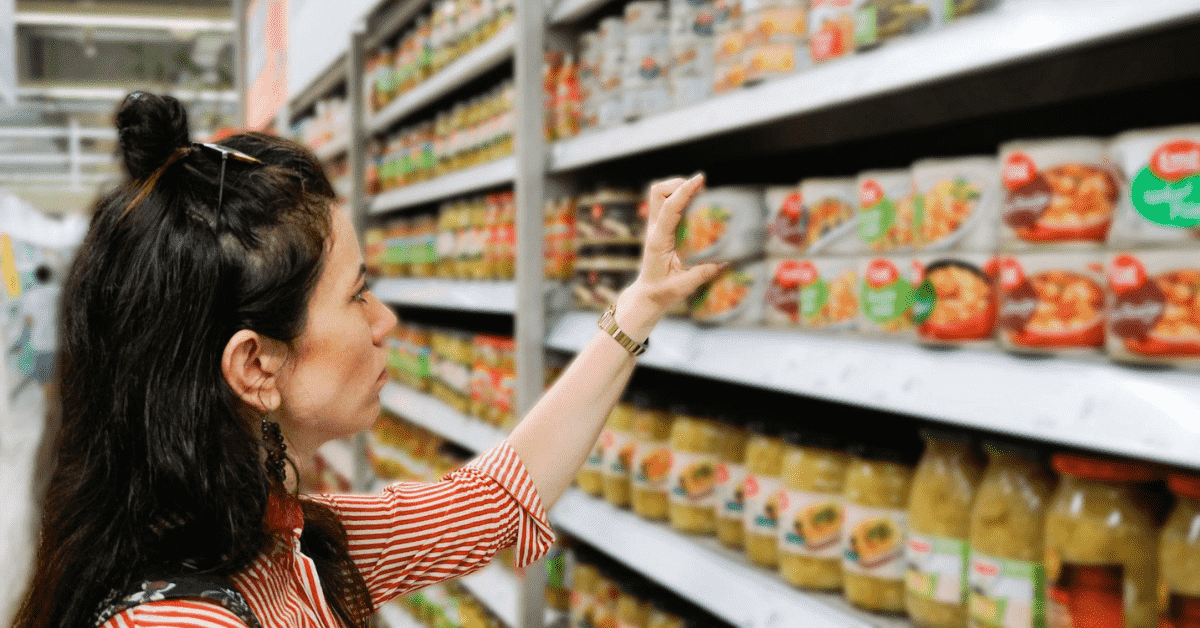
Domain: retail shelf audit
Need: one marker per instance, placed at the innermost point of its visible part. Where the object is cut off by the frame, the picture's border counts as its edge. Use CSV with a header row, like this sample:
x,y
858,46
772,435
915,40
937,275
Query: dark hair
x,y
43,274
159,469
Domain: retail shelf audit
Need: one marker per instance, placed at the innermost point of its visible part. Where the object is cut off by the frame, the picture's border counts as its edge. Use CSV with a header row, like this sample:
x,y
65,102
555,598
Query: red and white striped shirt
x,y
410,536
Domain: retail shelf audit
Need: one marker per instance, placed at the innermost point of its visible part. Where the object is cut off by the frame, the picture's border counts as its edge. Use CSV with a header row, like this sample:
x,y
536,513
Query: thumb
x,y
689,280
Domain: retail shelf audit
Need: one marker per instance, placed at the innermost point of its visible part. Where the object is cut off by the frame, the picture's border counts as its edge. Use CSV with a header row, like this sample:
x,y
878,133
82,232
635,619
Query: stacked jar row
x,y
947,540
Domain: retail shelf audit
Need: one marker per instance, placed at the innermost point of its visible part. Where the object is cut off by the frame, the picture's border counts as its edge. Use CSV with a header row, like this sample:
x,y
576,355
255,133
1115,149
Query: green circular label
x,y
874,221
1164,203
924,302
813,297
887,303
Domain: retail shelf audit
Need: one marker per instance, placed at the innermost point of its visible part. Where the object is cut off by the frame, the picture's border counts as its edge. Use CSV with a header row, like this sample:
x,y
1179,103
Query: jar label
x,y
1085,595
875,541
1005,593
937,568
1167,191
693,478
652,465
762,503
619,450
731,495
595,459
1180,610
811,524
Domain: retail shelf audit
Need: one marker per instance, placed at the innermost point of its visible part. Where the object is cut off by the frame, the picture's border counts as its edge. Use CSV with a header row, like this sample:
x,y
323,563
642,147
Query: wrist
x,y
637,313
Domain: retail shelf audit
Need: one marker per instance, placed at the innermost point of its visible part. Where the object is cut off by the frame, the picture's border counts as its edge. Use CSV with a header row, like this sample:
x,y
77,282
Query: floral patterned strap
x,y
215,589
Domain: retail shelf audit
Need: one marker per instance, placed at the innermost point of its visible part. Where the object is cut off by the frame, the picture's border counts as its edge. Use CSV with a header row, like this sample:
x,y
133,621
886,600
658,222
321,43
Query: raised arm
x,y
555,437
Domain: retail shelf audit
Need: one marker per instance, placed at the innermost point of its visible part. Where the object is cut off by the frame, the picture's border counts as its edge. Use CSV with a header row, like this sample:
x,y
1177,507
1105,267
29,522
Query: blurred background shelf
x,y
333,148
487,175
393,615
438,417
497,297
1144,413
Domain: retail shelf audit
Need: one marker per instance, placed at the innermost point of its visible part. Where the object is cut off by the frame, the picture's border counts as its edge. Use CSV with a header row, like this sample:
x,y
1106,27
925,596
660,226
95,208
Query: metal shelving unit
x,y
491,174
436,416
496,297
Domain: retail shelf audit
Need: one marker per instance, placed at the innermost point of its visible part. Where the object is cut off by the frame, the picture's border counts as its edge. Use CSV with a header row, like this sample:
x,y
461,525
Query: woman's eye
x,y
361,295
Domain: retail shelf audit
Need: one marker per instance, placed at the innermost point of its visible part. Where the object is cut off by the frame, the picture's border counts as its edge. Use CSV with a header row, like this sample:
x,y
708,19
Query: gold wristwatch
x,y
608,323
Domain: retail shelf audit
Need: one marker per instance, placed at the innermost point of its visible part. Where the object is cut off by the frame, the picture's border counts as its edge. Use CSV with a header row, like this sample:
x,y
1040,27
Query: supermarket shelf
x,y
339,454
483,58
333,148
486,175
571,10
439,418
499,589
395,616
331,77
1035,27
498,297
1150,414
717,580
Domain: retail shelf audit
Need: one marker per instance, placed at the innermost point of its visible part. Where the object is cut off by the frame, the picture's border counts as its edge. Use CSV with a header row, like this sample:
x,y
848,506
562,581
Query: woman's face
x,y
337,365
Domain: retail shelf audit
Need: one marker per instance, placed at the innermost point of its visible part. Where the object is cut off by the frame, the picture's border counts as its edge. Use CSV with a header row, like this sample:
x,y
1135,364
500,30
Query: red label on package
x,y
1126,274
790,273
1175,160
1019,170
1087,596
881,272
792,205
807,272
1011,273
869,193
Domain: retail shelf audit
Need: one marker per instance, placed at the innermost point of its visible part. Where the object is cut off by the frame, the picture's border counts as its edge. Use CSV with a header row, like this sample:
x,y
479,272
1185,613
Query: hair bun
x,y
151,128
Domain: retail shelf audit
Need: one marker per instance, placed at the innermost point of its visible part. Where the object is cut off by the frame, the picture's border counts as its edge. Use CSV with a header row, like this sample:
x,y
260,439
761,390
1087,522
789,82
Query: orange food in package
x,y
1154,313
1052,301
1059,191
956,299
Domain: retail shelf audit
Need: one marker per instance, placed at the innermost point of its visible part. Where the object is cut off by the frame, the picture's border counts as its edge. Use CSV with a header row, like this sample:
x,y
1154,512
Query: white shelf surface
x,y
1093,404
439,418
396,616
498,589
334,148
567,11
1031,28
700,570
497,297
479,60
482,176
339,455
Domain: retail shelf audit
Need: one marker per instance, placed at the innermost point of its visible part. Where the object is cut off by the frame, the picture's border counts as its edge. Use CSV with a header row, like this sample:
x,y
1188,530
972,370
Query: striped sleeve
x,y
175,614
416,534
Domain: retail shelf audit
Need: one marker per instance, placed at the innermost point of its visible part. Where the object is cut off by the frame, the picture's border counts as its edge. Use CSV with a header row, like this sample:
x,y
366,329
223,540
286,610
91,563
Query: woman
x,y
216,325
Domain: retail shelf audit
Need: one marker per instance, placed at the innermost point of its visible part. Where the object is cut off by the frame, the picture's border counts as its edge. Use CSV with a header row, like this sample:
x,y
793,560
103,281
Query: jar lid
x,y
880,453
815,439
1093,468
1022,450
1184,485
945,435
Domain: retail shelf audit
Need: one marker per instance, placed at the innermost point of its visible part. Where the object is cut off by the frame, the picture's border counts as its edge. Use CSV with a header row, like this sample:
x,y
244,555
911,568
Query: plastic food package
x,y
1058,191
878,21
728,76
1179,553
829,289
731,476
767,61
692,20
764,463
727,15
1052,301
1006,575
729,68
723,224
600,278
645,15
811,534
619,448
817,217
1154,306
886,210
1101,545
889,286
690,56
956,301
956,9
652,461
776,25
830,29
610,216
782,300
1160,187
736,297
689,90
939,514
877,491
647,57
693,475
959,203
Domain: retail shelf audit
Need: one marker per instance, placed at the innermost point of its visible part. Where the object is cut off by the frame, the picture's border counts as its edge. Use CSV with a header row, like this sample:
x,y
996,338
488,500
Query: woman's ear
x,y
252,365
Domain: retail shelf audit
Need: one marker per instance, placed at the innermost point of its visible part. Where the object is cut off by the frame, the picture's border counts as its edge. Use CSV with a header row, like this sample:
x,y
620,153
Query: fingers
x,y
659,193
671,211
691,279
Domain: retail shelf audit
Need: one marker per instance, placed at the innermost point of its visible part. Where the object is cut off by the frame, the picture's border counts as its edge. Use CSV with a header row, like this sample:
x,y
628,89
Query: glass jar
x,y
878,481
608,595
693,477
939,521
632,610
764,462
1006,575
652,463
1179,556
810,535
1101,554
584,579
662,617
731,476
590,477
618,454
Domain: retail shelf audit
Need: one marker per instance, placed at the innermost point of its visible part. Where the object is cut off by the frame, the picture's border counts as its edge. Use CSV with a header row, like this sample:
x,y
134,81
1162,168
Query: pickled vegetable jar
x,y
665,618
608,596
584,579
939,521
810,532
693,476
652,462
590,477
764,462
1179,556
632,610
1101,545
618,454
731,476
1006,574
878,481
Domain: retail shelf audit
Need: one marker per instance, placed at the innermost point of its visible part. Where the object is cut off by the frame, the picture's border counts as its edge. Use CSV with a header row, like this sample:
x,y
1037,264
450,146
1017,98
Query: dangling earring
x,y
276,462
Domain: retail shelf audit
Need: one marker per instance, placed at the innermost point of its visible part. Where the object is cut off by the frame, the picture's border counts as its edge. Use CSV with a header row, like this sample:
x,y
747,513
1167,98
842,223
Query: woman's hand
x,y
663,281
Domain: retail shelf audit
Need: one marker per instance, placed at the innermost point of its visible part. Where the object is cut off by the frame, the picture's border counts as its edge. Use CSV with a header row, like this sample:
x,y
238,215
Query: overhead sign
x,y
266,60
